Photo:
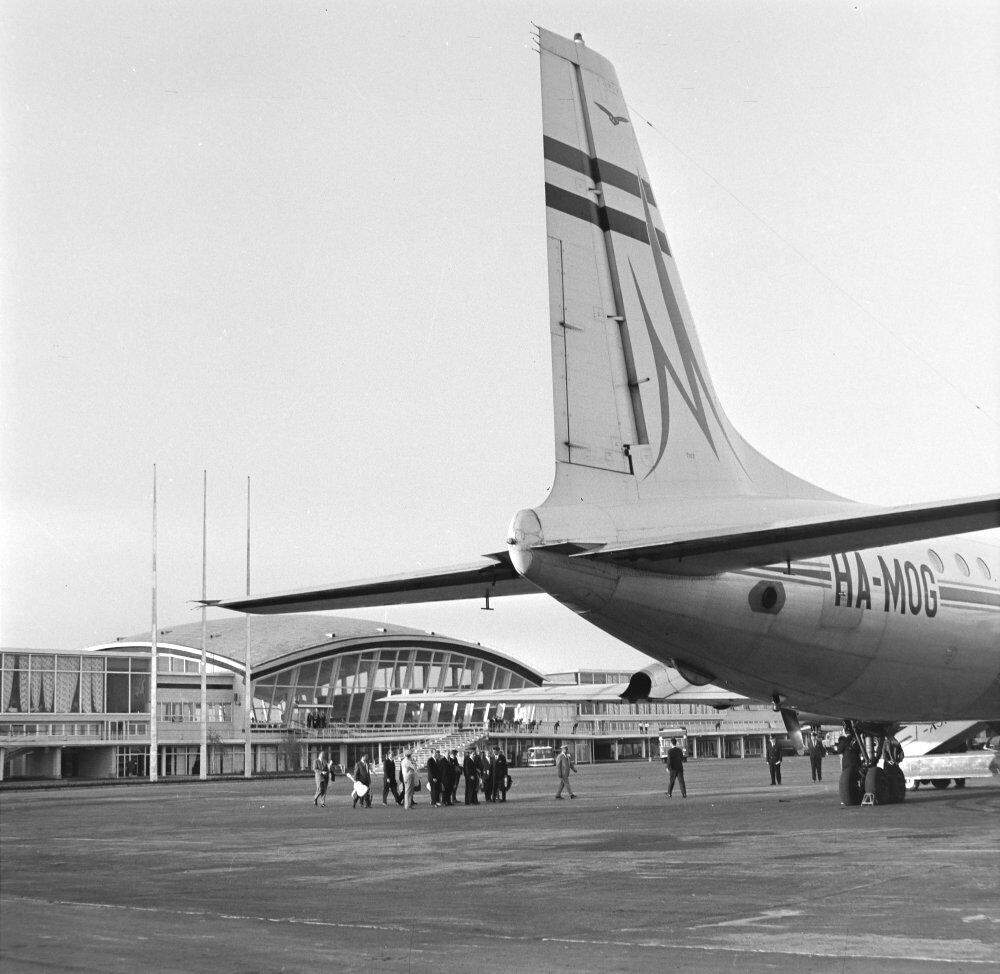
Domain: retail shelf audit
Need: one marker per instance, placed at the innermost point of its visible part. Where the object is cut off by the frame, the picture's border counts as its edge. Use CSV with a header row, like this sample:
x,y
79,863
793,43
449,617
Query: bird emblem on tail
x,y
614,119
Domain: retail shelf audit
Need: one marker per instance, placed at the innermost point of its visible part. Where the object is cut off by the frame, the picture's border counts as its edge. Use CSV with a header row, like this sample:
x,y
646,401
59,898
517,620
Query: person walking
x,y
564,765
321,769
408,770
773,757
675,765
363,777
389,779
817,751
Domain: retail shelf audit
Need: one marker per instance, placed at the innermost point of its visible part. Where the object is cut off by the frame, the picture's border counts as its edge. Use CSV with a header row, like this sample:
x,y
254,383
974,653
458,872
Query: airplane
x,y
666,529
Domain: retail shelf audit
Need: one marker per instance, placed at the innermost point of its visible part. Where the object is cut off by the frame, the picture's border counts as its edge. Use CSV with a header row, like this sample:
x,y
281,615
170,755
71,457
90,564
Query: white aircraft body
x,y
664,527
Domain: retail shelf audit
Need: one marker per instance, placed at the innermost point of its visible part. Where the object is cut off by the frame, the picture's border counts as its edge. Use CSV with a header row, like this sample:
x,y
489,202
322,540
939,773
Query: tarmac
x,y
249,876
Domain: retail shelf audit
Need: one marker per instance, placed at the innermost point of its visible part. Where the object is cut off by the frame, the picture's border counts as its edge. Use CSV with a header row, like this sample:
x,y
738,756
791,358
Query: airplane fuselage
x,y
893,633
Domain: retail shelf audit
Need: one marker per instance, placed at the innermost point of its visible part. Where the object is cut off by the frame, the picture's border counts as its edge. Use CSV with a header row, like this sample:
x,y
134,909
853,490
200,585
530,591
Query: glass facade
x,y
352,687
57,683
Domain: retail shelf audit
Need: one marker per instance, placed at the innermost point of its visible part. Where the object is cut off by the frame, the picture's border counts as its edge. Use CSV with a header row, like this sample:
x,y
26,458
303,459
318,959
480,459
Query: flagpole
x,y
153,662
203,750
247,684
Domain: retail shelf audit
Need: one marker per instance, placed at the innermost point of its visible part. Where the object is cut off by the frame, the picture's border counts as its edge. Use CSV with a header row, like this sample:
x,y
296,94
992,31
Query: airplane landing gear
x,y
871,774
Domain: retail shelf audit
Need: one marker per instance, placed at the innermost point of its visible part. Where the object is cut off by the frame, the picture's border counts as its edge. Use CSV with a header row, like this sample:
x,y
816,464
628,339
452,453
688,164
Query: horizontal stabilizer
x,y
495,578
710,554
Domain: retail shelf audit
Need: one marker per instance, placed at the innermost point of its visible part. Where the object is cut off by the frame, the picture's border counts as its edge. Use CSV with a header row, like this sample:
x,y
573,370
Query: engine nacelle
x,y
655,682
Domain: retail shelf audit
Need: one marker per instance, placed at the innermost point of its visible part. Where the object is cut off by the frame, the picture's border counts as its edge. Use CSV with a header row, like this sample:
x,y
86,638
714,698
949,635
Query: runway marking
x,y
759,918
935,951
206,914
816,945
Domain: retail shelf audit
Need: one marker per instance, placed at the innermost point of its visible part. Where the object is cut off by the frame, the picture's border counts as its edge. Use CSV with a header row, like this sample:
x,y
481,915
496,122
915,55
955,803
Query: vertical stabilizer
x,y
635,411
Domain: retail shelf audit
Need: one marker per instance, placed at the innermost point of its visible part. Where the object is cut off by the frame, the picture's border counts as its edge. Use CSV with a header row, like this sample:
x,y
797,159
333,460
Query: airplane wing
x,y
695,554
491,578
711,553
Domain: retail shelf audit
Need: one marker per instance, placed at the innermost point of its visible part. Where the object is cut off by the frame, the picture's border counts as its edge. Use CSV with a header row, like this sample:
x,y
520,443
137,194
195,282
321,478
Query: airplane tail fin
x,y
636,415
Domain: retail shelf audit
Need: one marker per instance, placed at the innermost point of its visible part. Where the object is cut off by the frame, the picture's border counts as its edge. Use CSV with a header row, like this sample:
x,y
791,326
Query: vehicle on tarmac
x,y
940,770
541,757
667,734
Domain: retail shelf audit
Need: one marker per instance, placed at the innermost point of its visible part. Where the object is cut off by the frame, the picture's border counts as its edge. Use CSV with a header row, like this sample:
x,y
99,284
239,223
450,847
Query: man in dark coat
x,y
817,752
389,779
447,776
363,776
435,775
471,770
675,765
456,775
773,756
486,773
499,775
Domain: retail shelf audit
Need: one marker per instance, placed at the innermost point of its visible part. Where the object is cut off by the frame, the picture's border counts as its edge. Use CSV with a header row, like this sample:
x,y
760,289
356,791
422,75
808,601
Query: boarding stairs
x,y
457,740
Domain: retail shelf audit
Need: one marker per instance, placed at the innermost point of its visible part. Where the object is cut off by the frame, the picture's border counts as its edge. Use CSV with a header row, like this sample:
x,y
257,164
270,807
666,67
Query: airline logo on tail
x,y
696,395
614,119
692,386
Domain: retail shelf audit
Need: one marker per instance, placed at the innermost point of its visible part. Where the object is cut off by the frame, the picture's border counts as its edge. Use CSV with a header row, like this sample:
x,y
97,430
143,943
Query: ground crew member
x,y
773,757
816,754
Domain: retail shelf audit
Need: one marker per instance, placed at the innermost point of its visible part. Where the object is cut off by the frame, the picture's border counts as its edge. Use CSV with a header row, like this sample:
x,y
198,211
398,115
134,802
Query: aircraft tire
x,y
960,782
877,784
897,784
850,787
940,783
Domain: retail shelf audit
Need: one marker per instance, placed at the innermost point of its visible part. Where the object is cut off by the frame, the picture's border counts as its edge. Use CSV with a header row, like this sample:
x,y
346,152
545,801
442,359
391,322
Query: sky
x,y
301,246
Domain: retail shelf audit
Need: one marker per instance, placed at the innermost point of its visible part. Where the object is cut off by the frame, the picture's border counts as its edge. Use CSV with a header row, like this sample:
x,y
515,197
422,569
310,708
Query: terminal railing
x,y
51,732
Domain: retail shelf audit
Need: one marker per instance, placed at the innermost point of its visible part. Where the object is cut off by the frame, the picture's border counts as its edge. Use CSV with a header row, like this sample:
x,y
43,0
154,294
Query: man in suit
x,y
486,774
447,778
817,752
675,765
564,765
773,756
435,775
456,775
499,775
321,769
363,776
471,770
389,779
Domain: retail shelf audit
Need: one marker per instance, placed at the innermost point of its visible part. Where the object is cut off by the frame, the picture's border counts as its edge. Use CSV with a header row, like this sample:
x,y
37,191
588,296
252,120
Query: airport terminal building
x,y
348,686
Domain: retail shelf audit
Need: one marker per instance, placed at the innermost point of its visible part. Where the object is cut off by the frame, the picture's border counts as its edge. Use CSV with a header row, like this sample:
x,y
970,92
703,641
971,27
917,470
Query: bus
x,y
541,757
667,734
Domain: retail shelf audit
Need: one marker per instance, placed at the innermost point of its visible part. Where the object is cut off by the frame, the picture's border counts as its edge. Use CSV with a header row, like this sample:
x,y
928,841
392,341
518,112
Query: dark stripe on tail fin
x,y
599,170
601,216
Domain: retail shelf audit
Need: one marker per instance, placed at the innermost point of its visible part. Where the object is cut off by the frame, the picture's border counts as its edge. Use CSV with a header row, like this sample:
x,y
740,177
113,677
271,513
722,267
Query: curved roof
x,y
277,641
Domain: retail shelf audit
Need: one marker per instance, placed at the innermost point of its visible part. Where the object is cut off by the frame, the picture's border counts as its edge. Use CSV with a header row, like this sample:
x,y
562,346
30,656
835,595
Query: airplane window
x,y
936,561
963,566
985,569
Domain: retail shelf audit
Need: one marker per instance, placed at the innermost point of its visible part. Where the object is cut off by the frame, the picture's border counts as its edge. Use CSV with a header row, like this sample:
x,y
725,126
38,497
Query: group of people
x,y
501,724
486,773
773,755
